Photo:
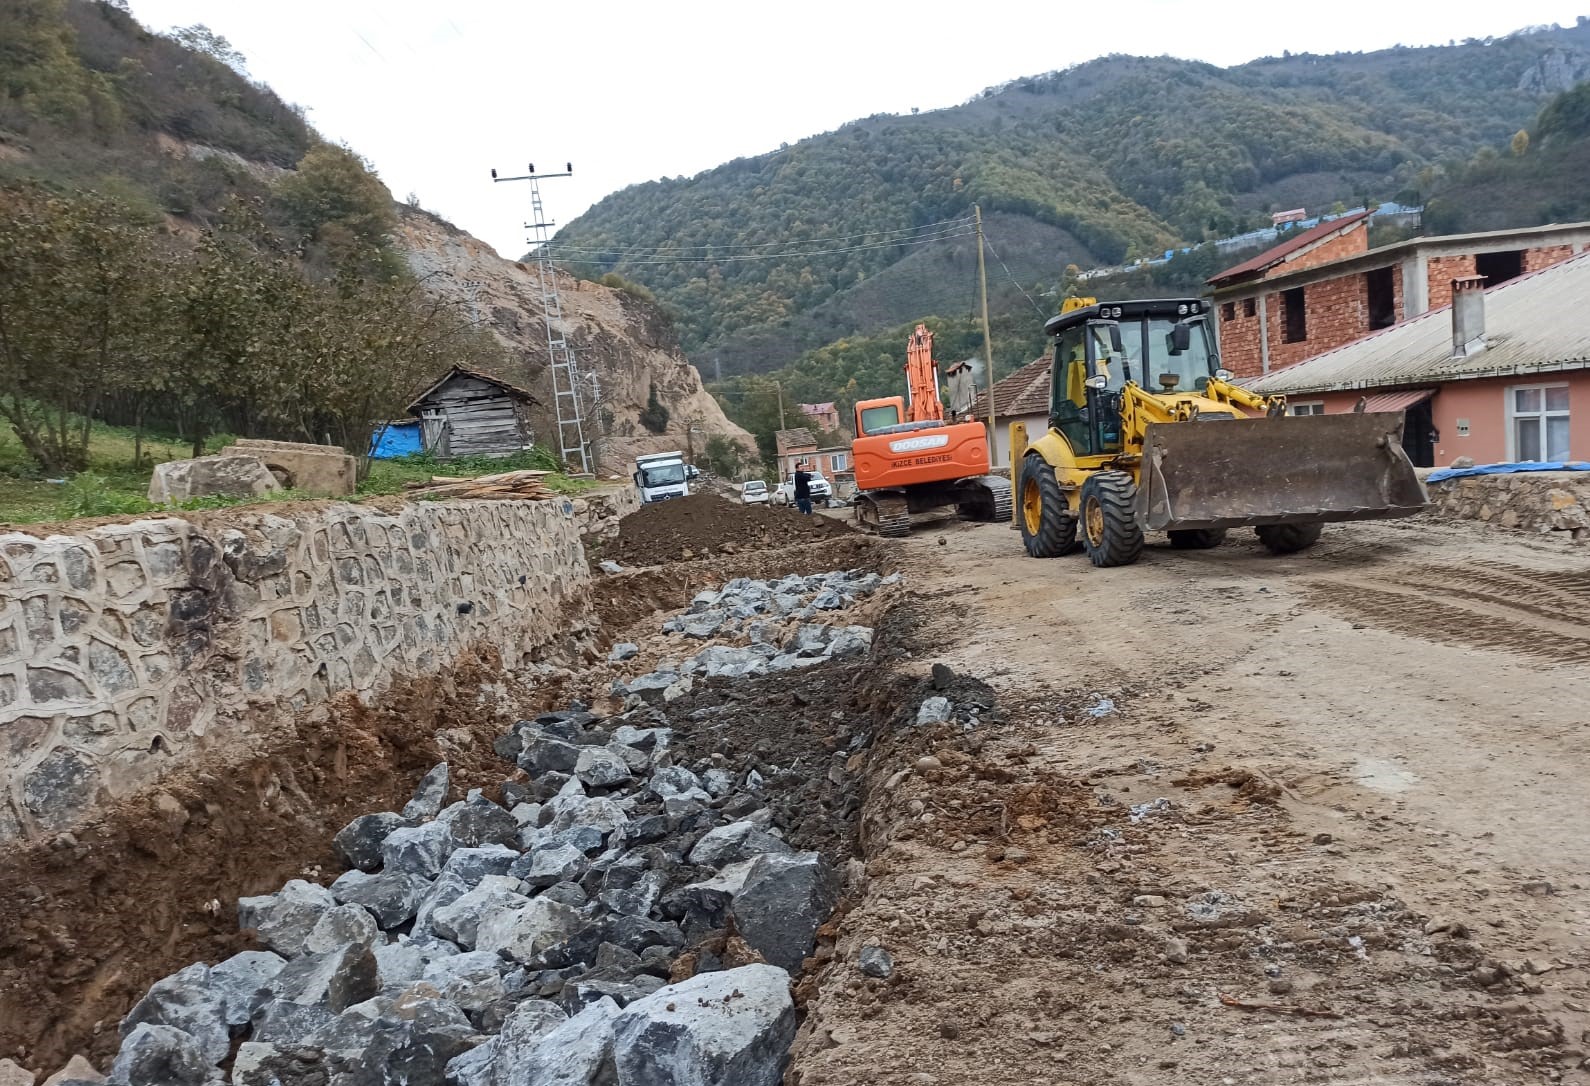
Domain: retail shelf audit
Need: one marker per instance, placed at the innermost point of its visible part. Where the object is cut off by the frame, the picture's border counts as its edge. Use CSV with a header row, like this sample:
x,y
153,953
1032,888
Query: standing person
x,y
803,489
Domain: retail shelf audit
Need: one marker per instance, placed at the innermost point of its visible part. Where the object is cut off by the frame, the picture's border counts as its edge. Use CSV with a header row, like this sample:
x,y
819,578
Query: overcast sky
x,y
436,94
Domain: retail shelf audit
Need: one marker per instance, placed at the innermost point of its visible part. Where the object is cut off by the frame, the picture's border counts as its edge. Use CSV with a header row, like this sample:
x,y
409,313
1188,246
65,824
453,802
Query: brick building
x,y
793,446
824,416
1503,375
1325,287
1021,397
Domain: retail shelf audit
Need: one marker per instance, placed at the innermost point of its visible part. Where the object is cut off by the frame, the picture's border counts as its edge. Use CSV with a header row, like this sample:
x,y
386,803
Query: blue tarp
x,y
1507,469
394,440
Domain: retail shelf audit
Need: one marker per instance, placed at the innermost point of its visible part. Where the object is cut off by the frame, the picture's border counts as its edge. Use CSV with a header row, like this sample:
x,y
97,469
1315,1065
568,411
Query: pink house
x,y
1498,375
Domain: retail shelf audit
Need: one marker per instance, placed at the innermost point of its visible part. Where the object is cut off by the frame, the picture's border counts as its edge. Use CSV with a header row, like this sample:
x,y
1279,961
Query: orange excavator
x,y
909,458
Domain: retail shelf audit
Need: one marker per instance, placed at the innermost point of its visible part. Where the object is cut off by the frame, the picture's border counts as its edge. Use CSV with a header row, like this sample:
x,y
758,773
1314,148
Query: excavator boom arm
x,y
923,403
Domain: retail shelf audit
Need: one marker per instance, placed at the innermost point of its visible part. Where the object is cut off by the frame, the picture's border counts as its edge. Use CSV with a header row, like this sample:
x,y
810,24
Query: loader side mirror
x,y
1180,337
1117,345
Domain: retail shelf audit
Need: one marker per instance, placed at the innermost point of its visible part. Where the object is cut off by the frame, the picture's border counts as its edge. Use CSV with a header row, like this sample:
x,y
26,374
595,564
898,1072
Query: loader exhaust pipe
x,y
1232,473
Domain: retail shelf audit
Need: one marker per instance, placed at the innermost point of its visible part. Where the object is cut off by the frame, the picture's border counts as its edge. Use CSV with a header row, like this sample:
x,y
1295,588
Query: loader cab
x,y
1162,345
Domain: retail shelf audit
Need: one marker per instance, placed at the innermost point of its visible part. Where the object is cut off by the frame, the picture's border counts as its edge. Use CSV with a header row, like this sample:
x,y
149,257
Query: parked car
x,y
754,492
820,489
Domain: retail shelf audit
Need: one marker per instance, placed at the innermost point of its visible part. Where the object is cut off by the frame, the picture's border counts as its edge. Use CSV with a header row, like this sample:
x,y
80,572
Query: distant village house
x,y
466,413
825,416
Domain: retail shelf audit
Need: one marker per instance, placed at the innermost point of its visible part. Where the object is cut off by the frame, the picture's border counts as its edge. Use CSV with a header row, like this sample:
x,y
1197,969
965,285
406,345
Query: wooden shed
x,y
467,413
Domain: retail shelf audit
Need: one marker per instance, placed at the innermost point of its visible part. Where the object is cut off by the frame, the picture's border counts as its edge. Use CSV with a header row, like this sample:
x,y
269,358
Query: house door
x,y
433,428
1418,434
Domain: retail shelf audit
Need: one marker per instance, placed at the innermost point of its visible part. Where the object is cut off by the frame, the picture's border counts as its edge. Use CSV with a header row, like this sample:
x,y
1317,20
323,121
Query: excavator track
x,y
1001,492
889,517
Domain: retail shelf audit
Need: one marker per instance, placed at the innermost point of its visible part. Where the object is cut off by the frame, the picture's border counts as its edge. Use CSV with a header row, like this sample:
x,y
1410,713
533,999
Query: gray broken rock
x,y
545,754
547,866
527,930
601,768
186,1000
419,850
392,896
521,1032
429,795
283,920
733,843
850,641
624,650
564,812
676,780
728,1028
359,842
154,1055
478,821
471,980
238,980
578,1052
876,962
77,1072
459,920
335,980
473,864
341,926
785,898
607,565
934,710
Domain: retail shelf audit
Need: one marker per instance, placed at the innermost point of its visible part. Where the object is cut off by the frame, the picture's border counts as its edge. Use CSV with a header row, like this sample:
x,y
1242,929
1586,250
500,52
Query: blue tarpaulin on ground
x,y
394,440
1507,469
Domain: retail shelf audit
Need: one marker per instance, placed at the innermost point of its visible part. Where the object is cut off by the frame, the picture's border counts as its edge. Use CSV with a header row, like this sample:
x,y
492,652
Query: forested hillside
x,y
1116,158
1538,176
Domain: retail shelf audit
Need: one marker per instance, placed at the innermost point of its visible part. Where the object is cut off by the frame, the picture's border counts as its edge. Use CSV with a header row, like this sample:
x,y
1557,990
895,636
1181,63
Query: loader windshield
x,y
1193,367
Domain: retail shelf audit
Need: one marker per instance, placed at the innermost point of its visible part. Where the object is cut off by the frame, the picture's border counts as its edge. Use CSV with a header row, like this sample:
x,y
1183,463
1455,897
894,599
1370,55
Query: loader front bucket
x,y
1227,473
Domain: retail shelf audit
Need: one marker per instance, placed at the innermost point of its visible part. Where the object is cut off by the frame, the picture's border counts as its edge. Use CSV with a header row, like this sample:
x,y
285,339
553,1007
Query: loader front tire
x,y
1048,529
1110,532
1288,538
1196,539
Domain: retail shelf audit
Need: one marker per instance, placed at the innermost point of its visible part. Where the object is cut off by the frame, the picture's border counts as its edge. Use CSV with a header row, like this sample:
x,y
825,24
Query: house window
x,y
1228,312
838,462
1499,267
1294,322
1538,422
1382,298
1249,308
1313,407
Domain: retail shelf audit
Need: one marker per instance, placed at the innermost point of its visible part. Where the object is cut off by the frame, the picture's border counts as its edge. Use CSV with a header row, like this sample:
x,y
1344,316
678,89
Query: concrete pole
x,y
988,339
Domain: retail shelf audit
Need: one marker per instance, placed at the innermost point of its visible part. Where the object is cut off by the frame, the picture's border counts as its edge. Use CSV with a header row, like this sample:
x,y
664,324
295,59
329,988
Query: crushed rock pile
x,y
619,918
776,618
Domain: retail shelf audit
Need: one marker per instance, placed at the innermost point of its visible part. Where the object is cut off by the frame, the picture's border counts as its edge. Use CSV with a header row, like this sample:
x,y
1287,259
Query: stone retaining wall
x,y
1537,501
128,649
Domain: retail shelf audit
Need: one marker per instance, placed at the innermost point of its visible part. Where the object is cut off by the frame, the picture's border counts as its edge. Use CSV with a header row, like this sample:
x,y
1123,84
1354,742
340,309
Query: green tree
x,y
76,273
340,210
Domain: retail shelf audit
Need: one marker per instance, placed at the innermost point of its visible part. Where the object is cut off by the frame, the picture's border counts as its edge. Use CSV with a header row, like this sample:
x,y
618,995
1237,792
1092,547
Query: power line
x,y
1035,307
791,254
905,232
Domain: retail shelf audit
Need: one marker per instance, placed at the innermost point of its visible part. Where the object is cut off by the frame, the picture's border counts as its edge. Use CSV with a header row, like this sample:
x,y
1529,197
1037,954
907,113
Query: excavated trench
x,y
151,885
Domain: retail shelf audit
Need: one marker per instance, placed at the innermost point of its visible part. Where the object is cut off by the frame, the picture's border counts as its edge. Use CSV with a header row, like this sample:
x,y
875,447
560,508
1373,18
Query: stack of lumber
x,y
519,485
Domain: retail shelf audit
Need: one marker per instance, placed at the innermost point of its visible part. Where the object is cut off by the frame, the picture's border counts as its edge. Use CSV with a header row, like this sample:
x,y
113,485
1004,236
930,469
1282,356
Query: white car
x,y
753,492
818,487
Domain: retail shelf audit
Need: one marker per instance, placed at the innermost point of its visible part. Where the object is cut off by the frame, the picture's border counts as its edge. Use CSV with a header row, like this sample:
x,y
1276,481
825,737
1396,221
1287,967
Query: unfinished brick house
x,y
1325,287
1499,374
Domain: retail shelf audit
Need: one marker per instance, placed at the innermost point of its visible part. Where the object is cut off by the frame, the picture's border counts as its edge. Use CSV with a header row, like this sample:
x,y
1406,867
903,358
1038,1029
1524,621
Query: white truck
x,y
661,476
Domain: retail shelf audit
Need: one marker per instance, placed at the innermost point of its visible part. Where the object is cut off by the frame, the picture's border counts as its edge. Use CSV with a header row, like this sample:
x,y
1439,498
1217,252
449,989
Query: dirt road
x,y
1258,820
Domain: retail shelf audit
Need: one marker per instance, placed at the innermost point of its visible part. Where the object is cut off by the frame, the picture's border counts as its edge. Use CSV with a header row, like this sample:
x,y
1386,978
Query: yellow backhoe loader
x,y
1147,433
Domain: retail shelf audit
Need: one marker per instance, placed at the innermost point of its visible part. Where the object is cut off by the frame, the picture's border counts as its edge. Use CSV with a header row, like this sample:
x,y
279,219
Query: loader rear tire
x,y
1048,529
1110,532
1196,539
1288,538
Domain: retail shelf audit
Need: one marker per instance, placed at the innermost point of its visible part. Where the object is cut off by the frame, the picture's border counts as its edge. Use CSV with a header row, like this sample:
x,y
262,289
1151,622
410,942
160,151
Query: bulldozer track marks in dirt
x,y
1540,613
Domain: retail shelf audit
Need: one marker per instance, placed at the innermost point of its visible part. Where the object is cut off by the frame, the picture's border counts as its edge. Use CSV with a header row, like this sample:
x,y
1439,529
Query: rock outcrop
x,y
623,341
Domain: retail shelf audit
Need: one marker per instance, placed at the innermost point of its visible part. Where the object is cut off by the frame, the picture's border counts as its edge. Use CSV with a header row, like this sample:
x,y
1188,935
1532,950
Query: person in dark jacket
x,y
803,489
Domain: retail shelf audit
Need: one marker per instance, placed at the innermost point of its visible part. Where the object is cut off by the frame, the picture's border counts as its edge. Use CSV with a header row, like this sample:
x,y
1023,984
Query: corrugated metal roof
x,y
1273,256
1397,401
1025,392
1537,323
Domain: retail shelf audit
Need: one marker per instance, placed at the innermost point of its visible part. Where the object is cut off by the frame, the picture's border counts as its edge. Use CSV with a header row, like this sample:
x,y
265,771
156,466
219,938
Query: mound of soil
x,y
703,525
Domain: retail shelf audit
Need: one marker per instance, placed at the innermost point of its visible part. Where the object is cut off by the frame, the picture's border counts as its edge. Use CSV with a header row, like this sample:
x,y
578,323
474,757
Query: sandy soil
x,y
1326,827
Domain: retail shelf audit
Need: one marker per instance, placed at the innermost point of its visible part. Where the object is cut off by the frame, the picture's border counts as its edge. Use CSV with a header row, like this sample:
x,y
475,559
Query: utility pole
x,y
565,372
988,340
780,386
